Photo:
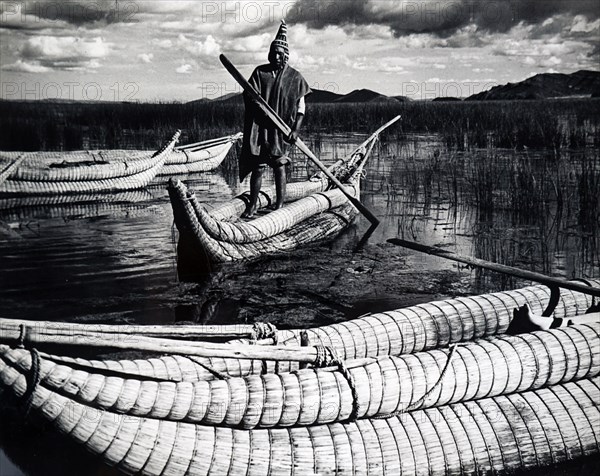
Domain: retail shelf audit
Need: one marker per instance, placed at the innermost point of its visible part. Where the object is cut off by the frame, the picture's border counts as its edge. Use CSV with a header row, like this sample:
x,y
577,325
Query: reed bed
x,y
513,124
379,388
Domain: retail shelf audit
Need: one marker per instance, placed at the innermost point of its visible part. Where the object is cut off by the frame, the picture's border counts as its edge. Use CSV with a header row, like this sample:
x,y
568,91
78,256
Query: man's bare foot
x,y
249,213
275,206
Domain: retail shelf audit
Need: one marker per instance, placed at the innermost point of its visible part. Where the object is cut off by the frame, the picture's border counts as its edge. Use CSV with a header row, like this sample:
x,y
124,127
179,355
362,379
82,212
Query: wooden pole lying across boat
x,y
501,268
188,331
10,168
283,127
38,335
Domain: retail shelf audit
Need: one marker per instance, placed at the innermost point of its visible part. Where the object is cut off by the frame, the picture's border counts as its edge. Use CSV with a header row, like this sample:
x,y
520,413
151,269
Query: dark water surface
x,y
114,259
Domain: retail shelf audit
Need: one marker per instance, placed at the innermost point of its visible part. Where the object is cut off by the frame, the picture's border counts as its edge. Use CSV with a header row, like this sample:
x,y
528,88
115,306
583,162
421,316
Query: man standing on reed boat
x,y
284,89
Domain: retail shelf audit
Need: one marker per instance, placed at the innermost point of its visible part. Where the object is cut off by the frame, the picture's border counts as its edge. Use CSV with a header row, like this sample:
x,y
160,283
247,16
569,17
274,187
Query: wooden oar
x,y
501,268
285,129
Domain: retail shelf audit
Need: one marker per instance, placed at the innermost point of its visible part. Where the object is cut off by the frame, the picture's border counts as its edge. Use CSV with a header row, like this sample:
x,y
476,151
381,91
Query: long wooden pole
x,y
501,268
36,335
177,331
285,129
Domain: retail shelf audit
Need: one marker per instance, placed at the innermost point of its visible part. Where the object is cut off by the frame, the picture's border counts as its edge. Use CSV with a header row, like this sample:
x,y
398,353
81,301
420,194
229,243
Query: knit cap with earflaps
x,y
281,40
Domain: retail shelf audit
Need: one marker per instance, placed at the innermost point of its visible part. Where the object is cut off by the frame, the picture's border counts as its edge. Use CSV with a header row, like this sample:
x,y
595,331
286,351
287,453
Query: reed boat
x,y
57,173
408,330
493,434
199,157
332,390
315,211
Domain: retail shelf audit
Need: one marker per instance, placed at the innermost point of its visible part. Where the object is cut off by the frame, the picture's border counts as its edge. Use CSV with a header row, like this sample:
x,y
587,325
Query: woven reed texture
x,y
6,170
111,177
505,433
485,368
201,161
232,209
346,170
268,225
315,228
398,332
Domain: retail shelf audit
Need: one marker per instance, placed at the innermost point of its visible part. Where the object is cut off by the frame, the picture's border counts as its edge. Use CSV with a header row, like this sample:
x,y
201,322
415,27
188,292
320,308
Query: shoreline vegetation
x,y
518,124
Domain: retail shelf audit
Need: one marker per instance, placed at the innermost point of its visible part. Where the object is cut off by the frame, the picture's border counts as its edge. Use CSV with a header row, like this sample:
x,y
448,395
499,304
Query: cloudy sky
x,y
152,50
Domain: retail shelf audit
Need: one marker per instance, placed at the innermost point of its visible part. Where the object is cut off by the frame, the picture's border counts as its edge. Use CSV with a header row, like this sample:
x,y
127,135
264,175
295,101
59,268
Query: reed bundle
x,y
505,433
115,176
315,228
198,157
376,388
269,225
407,330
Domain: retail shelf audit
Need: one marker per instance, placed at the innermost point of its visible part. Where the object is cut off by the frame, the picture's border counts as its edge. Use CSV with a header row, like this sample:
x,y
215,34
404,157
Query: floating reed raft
x,y
350,390
79,172
199,157
506,433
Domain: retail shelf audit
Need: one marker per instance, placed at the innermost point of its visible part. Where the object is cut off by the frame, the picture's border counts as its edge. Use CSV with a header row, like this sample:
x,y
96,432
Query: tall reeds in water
x,y
555,124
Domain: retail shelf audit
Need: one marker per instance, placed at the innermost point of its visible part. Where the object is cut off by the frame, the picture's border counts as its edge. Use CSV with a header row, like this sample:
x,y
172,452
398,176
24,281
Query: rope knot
x,y
264,330
327,356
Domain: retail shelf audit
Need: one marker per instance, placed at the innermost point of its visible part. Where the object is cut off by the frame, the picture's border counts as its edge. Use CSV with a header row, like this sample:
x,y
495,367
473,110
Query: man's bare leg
x,y
280,185
255,185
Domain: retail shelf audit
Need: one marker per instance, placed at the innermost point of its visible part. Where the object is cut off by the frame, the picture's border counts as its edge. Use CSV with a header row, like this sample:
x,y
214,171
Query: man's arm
x,y
298,122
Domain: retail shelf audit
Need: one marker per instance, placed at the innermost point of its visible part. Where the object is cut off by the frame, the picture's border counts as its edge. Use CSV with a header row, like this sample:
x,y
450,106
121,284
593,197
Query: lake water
x,y
115,259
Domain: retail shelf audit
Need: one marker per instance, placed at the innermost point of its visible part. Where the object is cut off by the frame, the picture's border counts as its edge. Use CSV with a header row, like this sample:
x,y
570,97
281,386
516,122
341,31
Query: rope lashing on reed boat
x,y
33,377
264,330
417,403
328,357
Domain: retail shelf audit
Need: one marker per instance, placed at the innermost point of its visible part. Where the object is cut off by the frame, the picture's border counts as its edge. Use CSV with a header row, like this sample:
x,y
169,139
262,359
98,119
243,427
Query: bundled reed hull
x,y
201,157
219,237
378,388
42,173
506,433
297,228
407,330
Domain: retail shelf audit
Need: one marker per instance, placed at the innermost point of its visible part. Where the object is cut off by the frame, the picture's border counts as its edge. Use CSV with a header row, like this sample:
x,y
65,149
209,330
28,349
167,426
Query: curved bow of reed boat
x,y
199,157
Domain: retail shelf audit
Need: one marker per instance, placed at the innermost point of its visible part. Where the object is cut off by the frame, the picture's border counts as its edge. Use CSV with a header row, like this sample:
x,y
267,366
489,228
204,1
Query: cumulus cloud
x,y
21,66
43,53
146,57
208,47
185,68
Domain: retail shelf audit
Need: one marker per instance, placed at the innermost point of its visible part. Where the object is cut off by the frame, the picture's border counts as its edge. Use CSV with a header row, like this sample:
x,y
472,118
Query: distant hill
x,y
318,95
546,85
364,95
446,99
